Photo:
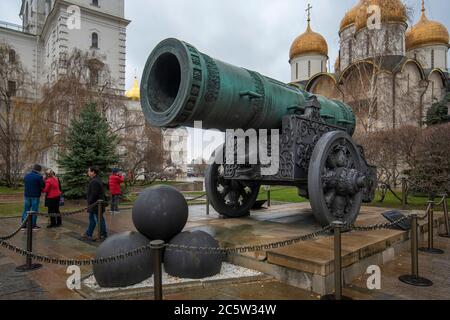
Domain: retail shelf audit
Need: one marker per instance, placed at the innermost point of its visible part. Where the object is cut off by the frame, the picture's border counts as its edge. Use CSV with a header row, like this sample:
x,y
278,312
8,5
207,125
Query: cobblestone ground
x,y
50,281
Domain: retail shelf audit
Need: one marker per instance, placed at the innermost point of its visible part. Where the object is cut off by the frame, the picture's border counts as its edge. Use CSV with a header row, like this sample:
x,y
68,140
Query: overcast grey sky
x,y
255,34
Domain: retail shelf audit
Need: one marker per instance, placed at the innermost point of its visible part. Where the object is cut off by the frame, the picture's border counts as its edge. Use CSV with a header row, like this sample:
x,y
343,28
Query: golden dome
x,y
426,32
391,11
135,92
309,42
350,17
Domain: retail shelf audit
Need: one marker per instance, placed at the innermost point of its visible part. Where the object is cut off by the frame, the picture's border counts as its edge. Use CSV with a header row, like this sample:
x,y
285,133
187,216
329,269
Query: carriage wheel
x,y
336,179
231,198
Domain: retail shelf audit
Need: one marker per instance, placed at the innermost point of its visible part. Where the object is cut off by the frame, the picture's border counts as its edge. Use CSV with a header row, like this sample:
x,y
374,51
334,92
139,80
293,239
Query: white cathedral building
x,y
51,29
390,73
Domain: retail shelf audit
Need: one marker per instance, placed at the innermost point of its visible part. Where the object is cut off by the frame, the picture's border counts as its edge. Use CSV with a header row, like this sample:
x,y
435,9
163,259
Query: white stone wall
x,y
435,91
389,40
25,46
431,57
347,46
305,67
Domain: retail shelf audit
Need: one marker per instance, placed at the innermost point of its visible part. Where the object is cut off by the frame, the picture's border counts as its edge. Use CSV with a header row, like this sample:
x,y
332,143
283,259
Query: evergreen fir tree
x,y
89,142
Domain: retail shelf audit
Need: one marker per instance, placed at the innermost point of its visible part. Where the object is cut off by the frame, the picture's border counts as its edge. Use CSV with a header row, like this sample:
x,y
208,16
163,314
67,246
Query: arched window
x,y
94,40
48,7
296,71
12,56
432,59
25,17
94,3
309,69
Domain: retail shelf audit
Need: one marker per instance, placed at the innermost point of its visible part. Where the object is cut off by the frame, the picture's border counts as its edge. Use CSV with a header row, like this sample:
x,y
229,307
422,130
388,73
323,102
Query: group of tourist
x,y
35,185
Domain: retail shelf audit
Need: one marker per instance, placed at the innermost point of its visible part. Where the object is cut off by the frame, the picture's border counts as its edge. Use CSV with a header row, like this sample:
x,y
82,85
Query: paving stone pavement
x,y
50,281
17,286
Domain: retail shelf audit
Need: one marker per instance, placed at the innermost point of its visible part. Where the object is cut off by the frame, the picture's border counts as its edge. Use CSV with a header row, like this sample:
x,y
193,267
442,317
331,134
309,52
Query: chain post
x,y
156,247
414,279
337,227
430,248
29,266
404,194
269,200
446,217
207,205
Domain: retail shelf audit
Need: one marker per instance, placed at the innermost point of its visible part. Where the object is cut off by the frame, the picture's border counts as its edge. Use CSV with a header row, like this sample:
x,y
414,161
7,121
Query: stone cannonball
x,y
160,213
126,272
193,264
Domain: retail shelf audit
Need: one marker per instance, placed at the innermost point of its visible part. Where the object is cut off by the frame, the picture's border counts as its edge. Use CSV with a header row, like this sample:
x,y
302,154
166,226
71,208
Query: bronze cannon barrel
x,y
181,85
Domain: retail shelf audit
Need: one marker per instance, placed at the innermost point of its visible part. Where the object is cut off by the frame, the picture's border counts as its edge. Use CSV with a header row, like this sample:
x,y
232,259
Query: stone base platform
x,y
309,265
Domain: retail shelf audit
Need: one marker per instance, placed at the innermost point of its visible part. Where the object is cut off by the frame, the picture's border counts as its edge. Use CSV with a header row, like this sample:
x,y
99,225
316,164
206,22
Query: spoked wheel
x,y
336,179
231,198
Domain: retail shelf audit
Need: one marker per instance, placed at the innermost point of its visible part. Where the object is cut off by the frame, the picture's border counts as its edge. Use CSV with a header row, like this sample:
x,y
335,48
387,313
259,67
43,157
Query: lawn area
x,y
289,194
6,191
14,209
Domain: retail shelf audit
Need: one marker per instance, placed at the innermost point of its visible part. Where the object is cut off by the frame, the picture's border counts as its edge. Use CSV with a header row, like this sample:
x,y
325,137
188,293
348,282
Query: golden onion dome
x,y
350,17
391,11
135,92
309,42
426,32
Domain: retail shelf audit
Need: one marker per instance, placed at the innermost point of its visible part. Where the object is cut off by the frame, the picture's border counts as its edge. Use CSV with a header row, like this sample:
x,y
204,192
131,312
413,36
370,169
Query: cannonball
x,y
125,272
193,264
160,213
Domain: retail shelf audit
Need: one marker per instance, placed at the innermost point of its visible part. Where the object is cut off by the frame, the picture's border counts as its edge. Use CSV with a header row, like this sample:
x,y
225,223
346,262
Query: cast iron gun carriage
x,y
181,85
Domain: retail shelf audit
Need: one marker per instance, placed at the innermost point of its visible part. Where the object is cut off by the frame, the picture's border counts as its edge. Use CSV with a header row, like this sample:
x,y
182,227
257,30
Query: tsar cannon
x,y
181,85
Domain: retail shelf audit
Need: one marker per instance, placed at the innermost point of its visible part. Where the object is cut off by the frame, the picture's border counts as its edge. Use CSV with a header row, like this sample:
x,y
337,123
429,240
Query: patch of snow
x,y
228,272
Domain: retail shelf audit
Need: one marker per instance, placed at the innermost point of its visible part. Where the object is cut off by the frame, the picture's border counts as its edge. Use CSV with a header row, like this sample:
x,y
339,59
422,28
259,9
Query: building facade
x,y
389,72
52,29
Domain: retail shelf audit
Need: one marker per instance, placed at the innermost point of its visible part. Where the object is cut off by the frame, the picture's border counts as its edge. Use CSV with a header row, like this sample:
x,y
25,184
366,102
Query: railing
x,y
12,26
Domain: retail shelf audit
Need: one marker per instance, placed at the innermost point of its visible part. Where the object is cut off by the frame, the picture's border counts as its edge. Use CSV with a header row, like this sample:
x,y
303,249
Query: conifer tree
x,y
89,142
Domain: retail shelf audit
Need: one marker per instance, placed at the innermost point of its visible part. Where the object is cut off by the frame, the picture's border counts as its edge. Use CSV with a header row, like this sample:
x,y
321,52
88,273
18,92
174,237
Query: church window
x,y
12,56
321,66
95,3
432,92
94,78
432,59
48,5
309,69
367,44
350,51
12,88
296,71
94,40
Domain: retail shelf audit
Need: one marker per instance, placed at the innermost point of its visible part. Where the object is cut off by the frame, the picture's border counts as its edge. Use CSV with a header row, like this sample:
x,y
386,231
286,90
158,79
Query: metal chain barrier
x,y
12,235
253,248
378,226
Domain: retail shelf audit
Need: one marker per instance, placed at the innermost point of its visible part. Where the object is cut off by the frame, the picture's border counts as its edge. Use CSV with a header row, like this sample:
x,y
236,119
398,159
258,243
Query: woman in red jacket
x,y
52,192
115,180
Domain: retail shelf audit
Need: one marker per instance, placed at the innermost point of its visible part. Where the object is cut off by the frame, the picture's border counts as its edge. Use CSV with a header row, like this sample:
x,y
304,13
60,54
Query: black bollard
x,y
414,279
207,205
269,200
337,225
446,217
404,193
157,247
29,265
430,248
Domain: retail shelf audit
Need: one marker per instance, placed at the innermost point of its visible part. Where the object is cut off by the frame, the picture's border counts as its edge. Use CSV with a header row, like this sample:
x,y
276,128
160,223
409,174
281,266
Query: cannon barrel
x,y
181,85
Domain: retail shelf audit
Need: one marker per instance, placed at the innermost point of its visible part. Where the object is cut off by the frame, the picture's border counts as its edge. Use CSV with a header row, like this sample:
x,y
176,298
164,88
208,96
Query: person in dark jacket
x,y
34,184
53,193
95,192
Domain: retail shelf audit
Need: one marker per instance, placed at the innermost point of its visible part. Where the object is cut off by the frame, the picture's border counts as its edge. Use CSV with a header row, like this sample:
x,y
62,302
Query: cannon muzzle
x,y
181,85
